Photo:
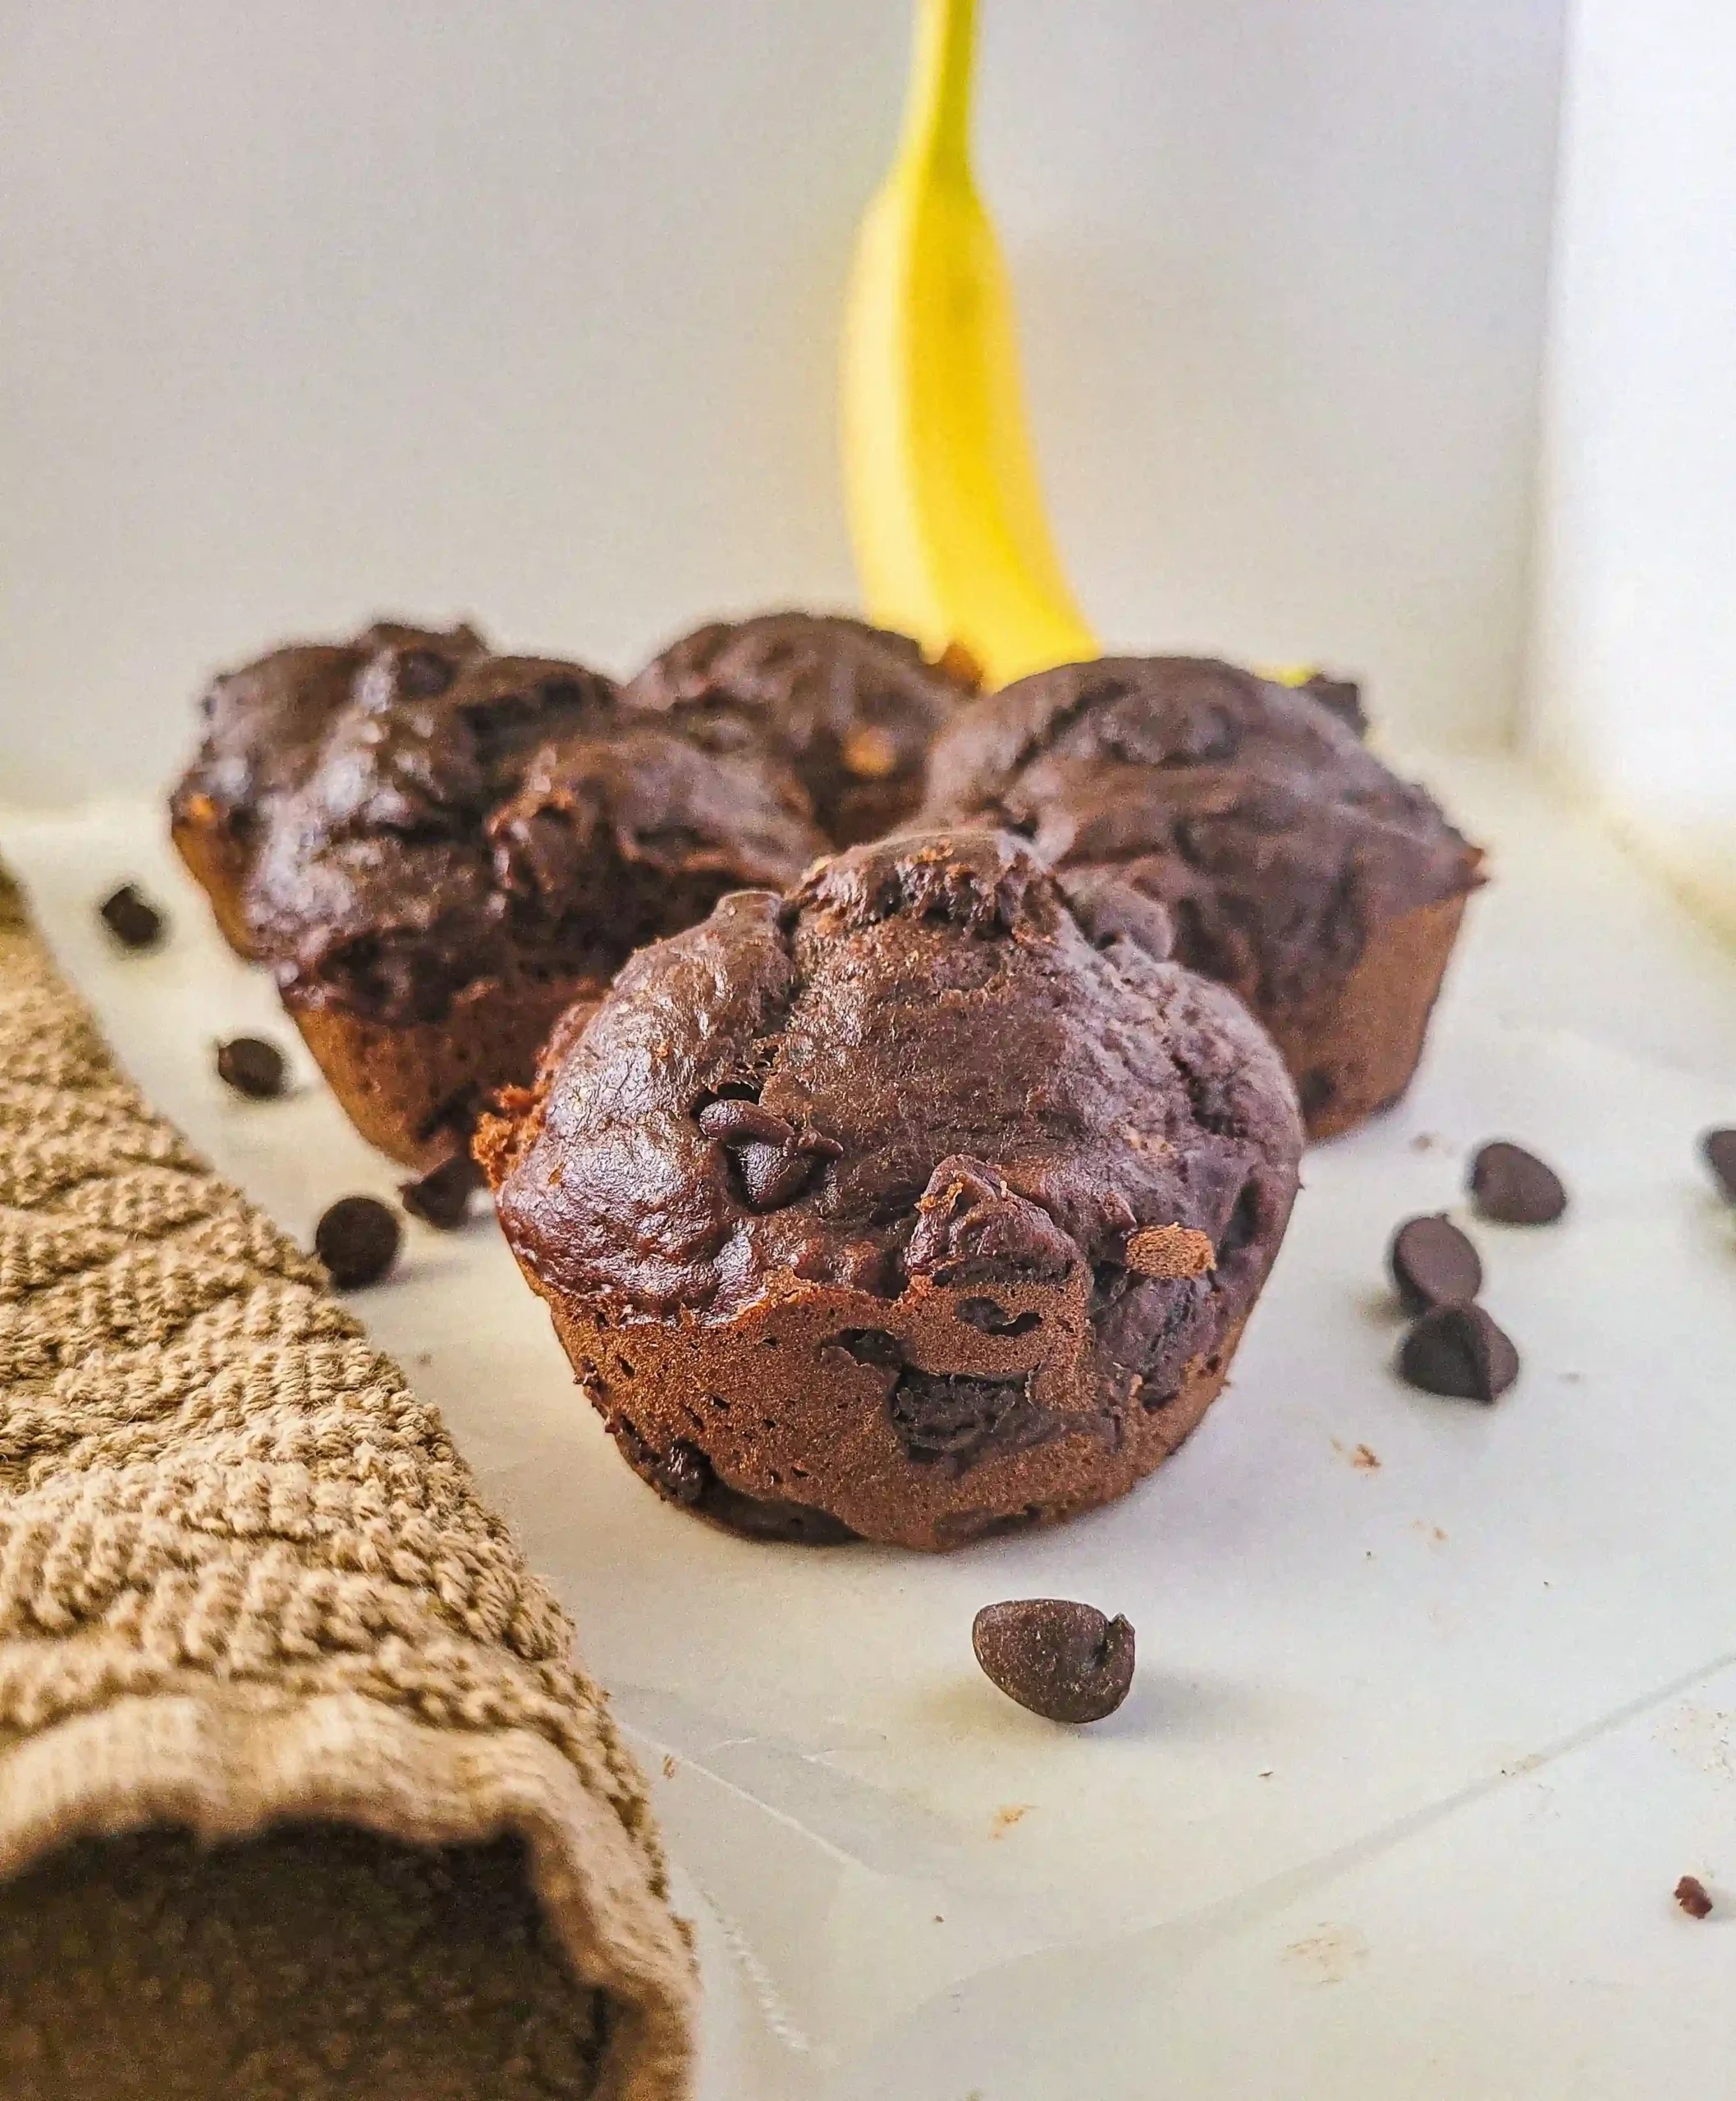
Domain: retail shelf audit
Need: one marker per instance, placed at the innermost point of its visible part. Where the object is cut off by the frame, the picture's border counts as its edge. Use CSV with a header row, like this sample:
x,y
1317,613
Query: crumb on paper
x,y
1007,1816
1426,1142
1706,1737
1266,1772
1365,1460
1328,1955
1435,1534
669,1766
1693,1896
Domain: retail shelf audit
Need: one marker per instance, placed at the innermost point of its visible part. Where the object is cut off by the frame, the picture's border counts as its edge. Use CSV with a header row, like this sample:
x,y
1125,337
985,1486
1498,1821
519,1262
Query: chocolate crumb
x,y
252,1067
1170,1251
130,917
1719,1149
1060,1658
1457,1351
357,1239
441,1198
1693,1896
1516,1188
1432,1264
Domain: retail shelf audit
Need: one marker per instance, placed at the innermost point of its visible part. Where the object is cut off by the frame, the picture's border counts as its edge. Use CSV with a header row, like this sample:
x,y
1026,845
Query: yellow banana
x,y
945,511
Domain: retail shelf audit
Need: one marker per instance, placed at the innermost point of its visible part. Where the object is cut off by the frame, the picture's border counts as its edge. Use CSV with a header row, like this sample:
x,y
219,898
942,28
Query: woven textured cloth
x,y
300,1792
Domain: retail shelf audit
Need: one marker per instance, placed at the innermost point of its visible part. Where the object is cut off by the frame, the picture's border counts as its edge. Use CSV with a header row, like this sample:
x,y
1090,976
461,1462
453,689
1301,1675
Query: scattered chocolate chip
x,y
1693,1896
357,1239
1459,1351
1718,1148
1433,1263
1514,1186
130,917
1061,1659
252,1067
442,1196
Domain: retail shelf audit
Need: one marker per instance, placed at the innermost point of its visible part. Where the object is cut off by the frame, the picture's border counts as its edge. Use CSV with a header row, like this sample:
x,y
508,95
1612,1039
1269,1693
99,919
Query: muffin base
x,y
769,1427
219,866
1353,1053
415,1089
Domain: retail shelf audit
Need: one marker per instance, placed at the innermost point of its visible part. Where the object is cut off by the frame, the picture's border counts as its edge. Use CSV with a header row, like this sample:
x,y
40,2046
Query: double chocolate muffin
x,y
262,727
1294,867
439,850
852,708
906,1205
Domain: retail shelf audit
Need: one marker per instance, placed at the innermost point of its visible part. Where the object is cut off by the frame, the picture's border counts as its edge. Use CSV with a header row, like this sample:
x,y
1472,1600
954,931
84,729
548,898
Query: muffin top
x,y
459,816
914,1064
852,708
263,723
1251,810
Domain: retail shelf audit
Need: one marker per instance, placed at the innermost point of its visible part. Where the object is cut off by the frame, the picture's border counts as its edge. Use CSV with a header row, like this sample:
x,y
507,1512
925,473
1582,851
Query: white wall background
x,y
1635,672
528,309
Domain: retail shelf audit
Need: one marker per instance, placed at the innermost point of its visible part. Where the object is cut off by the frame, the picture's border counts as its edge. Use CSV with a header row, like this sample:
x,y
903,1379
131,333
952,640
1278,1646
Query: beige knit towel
x,y
300,1793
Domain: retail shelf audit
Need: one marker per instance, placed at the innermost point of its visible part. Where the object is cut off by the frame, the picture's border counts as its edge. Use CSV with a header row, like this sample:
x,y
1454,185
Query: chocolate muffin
x,y
852,708
894,1206
1295,867
463,846
262,727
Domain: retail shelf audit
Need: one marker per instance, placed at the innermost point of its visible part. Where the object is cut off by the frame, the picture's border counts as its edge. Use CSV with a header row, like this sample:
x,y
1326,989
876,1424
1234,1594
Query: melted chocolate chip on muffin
x,y
845,1202
852,708
1295,867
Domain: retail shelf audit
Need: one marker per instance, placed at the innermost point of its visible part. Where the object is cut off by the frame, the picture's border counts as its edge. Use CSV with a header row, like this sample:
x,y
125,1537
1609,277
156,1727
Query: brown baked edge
x,y
916,1507
415,1089
218,865
1354,1053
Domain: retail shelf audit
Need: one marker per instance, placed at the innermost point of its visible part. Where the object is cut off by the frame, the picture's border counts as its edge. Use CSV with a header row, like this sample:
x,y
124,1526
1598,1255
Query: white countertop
x,y
1416,1752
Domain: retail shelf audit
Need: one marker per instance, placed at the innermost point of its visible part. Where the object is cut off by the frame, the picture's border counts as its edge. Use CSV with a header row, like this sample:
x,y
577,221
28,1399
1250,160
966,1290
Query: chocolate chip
x,y
1693,1896
1433,1263
772,1176
422,673
357,1239
773,1160
683,1473
1341,696
252,1067
130,917
442,1196
1718,1148
1459,1351
1514,1186
738,1123
1062,1659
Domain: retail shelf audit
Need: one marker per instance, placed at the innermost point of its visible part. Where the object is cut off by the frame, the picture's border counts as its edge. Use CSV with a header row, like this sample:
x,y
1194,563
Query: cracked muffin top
x,y
424,814
852,709
1250,810
916,1064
